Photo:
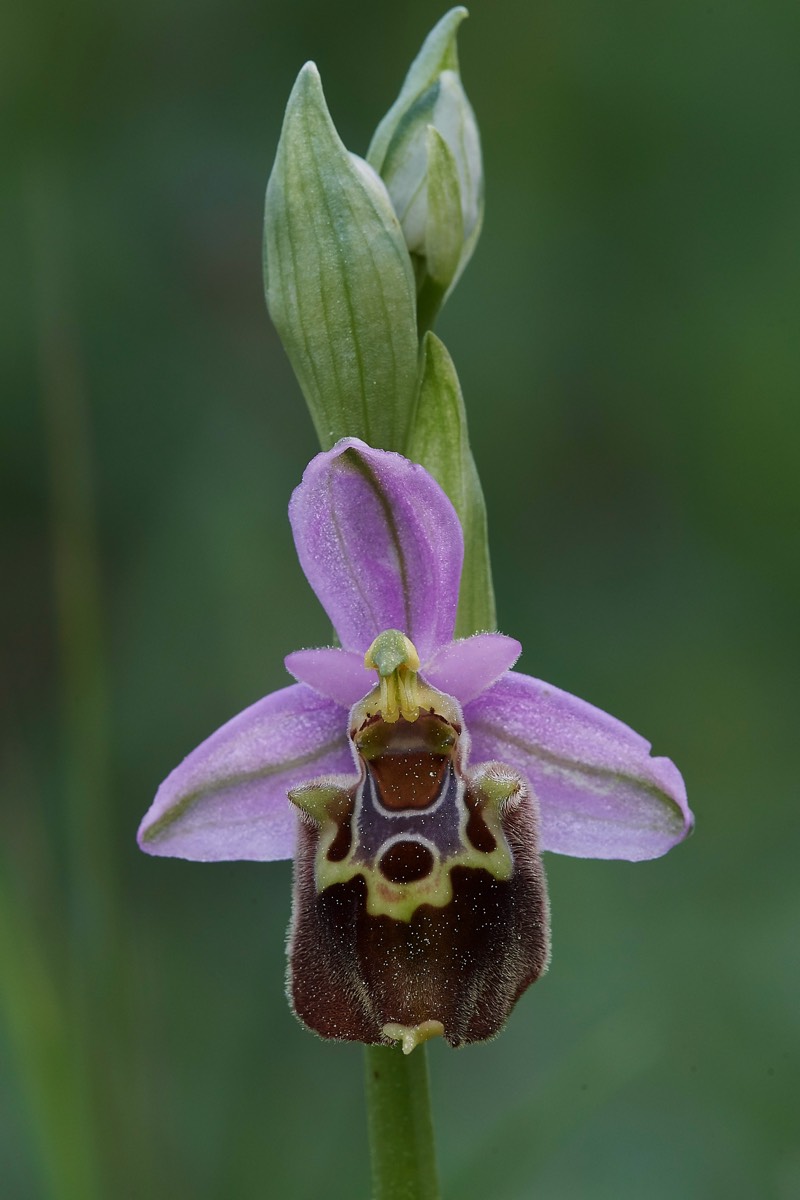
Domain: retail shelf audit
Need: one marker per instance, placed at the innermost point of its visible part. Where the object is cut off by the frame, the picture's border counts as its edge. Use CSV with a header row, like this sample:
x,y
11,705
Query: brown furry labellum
x,y
420,901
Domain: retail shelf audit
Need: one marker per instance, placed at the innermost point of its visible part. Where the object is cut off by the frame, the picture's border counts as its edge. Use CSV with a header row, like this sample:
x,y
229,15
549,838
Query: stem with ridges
x,y
400,1126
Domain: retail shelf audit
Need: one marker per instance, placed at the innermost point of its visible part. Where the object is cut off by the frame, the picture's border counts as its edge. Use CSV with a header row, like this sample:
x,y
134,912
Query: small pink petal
x,y
338,674
466,668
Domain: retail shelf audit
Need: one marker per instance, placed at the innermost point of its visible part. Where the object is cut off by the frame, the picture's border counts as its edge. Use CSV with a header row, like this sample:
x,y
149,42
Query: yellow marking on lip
x,y
401,900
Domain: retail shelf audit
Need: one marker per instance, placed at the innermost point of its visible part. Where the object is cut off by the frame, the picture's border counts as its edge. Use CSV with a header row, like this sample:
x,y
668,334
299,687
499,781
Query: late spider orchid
x,y
422,801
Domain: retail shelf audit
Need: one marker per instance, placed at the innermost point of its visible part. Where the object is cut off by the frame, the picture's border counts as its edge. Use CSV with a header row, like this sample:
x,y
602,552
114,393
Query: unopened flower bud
x,y
427,151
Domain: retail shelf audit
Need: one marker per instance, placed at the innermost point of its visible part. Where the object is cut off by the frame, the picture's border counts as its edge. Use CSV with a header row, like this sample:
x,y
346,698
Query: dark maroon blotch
x,y
478,832
406,862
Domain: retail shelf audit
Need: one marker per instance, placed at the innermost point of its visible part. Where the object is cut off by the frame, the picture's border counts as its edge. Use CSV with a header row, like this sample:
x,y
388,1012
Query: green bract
x,y
440,441
436,184
339,282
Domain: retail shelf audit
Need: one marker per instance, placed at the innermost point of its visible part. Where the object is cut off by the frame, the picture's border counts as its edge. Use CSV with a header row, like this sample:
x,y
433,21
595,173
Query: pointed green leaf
x,y
339,283
440,442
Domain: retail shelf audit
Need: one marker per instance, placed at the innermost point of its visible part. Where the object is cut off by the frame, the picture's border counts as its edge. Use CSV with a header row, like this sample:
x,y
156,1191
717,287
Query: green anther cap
x,y
390,651
395,658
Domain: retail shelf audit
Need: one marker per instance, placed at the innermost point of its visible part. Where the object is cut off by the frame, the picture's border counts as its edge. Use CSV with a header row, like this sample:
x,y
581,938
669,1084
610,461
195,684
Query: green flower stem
x,y
400,1126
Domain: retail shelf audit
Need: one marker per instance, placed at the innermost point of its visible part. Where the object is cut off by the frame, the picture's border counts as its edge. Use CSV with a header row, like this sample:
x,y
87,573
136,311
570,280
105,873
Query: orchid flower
x,y
420,802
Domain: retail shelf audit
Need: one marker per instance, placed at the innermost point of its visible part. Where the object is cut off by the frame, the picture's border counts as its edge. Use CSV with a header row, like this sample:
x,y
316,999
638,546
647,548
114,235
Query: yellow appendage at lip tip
x,y
411,1036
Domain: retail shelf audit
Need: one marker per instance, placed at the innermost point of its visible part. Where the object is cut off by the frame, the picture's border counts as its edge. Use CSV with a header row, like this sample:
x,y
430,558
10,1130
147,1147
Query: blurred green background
x,y
626,337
